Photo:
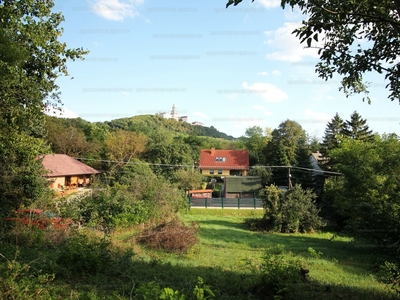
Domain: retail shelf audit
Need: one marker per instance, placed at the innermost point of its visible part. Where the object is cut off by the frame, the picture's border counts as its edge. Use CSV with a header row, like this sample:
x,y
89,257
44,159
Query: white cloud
x,y
262,73
276,72
116,10
258,107
63,113
286,46
200,114
270,3
266,91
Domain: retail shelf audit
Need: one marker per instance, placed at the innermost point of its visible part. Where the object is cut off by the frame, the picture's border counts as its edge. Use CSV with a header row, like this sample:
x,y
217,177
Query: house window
x,y
220,159
211,171
219,171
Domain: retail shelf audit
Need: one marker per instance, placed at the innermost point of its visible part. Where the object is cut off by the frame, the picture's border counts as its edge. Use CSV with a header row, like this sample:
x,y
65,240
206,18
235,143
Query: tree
x,y
169,152
70,141
353,38
187,179
357,128
262,172
334,129
31,59
367,197
121,147
290,211
255,142
288,147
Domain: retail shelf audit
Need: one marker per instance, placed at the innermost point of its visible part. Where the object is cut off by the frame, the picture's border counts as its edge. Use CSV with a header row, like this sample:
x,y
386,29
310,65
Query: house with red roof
x,y
224,162
65,172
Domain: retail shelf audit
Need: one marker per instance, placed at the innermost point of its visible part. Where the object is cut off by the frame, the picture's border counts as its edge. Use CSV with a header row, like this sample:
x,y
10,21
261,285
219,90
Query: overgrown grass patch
x,y
233,262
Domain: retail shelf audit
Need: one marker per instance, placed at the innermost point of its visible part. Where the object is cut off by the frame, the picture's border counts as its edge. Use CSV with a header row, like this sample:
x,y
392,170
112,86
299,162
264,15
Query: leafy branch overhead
x,y
354,38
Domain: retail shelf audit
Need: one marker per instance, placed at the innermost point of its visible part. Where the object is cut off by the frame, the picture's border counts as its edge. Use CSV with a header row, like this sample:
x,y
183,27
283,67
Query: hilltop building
x,y
173,115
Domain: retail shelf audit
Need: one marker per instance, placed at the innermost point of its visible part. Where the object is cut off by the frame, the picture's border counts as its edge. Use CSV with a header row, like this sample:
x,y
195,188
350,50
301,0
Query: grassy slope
x,y
338,267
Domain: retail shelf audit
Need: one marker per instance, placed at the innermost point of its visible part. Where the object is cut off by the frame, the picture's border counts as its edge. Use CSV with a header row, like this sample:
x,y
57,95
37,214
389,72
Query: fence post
x,y
190,202
255,206
206,202
222,202
238,203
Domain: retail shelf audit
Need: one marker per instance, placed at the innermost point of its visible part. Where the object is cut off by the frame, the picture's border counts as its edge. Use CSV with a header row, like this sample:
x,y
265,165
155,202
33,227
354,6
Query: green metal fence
x,y
244,203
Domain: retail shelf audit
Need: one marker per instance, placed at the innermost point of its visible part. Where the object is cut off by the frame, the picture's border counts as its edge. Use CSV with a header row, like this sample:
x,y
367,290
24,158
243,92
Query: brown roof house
x,y
65,172
224,162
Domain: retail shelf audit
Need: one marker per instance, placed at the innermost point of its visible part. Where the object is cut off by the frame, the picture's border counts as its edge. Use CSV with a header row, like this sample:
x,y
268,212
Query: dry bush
x,y
171,236
31,236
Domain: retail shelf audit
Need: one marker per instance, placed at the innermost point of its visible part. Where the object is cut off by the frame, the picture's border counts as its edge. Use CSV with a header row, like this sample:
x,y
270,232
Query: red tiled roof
x,y
63,165
234,159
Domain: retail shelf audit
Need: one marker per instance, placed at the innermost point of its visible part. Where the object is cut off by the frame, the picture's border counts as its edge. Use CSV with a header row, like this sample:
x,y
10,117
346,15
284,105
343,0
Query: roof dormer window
x,y
221,159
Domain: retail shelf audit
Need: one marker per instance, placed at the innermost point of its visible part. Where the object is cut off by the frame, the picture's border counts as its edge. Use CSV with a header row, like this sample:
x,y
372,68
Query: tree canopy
x,y
353,38
367,196
31,59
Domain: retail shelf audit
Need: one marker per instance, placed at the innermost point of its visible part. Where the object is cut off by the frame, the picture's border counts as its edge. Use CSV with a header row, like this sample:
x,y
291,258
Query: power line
x,y
191,165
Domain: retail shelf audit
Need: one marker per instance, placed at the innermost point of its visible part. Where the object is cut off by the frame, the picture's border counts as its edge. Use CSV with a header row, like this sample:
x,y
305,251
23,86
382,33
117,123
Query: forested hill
x,y
148,123
145,124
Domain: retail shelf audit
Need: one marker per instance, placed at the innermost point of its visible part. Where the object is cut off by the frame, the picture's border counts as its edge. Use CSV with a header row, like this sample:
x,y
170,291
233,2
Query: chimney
x,y
212,151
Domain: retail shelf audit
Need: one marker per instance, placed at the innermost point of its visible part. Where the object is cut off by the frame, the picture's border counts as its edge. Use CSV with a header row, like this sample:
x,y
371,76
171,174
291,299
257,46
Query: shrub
x,y
172,236
153,290
290,211
17,281
28,236
82,254
389,273
280,273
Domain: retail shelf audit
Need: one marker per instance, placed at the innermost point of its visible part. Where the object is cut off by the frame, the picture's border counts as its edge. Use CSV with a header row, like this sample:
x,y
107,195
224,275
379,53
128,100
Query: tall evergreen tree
x,y
357,128
333,130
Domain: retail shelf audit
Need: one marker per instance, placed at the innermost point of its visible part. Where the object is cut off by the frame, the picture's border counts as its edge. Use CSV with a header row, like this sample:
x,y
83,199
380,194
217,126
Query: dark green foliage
x,y
139,197
289,211
366,198
302,176
19,281
288,147
262,172
280,273
31,59
333,131
83,255
255,141
357,128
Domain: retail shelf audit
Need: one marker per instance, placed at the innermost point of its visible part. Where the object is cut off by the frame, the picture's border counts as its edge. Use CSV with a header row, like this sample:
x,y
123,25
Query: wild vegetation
x,y
133,236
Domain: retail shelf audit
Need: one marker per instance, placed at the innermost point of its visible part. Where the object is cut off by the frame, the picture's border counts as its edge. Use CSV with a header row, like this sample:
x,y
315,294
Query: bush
x,y
281,273
18,281
172,236
82,254
290,211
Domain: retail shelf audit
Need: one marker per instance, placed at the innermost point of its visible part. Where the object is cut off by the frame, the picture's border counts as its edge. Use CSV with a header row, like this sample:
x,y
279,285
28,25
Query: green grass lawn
x,y
339,267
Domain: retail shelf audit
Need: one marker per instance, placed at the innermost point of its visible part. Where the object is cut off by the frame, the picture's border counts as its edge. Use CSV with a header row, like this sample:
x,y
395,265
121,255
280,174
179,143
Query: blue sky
x,y
228,68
